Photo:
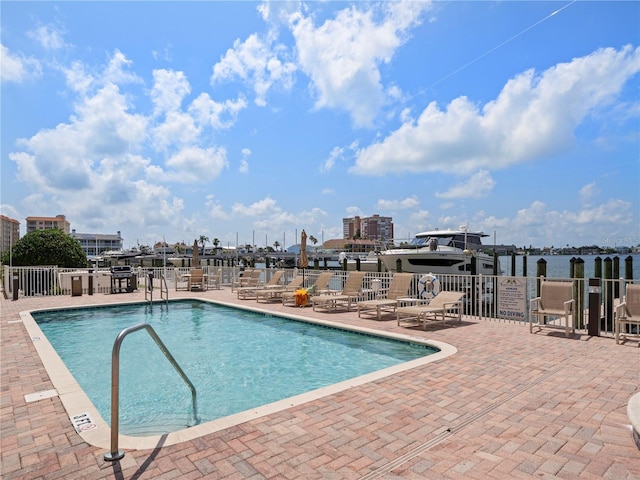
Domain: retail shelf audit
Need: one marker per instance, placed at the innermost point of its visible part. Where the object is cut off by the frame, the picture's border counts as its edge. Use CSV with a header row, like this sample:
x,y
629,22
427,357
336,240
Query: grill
x,y
121,271
122,279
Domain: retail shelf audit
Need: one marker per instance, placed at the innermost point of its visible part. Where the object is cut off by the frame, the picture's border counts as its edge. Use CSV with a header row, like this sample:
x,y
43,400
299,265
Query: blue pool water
x,y
236,359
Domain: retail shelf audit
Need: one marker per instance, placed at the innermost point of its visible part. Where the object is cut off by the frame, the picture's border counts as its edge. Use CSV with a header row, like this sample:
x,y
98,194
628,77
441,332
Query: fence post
x,y
595,290
578,290
15,286
608,296
628,268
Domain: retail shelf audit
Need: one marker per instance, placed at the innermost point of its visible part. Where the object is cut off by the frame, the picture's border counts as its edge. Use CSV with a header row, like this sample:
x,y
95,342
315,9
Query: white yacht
x,y
441,252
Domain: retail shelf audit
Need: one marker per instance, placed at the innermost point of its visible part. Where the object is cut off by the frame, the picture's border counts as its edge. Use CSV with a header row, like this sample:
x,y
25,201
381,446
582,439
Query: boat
x,y
363,262
441,252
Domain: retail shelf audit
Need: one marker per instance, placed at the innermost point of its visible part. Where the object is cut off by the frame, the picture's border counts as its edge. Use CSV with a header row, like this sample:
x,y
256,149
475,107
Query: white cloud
x,y
196,165
62,158
177,129
533,117
48,36
588,191
478,185
244,161
337,153
169,89
404,204
266,206
342,56
16,68
257,63
216,115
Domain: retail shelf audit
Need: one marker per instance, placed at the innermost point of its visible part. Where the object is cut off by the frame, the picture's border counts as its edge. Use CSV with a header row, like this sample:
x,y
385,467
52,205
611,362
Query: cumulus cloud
x,y
343,55
478,185
208,112
406,203
16,68
534,116
256,62
169,89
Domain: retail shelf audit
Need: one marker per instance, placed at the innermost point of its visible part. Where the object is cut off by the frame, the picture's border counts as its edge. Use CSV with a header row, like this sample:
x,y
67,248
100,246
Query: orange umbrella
x,y
304,260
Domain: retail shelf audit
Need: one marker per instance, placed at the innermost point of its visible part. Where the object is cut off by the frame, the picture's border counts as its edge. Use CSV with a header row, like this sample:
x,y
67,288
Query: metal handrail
x,y
116,454
163,281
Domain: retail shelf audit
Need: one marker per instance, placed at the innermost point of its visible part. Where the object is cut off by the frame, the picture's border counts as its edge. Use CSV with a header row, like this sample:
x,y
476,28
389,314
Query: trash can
x,y
76,286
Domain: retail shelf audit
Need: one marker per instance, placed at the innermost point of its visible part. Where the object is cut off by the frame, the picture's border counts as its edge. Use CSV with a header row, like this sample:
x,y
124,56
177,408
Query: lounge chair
x,y
555,301
275,292
320,286
351,292
245,293
628,313
398,287
249,277
215,279
196,280
444,306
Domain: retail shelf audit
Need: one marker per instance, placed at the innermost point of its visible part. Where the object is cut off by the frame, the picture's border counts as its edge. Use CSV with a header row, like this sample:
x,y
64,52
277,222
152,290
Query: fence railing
x,y
484,294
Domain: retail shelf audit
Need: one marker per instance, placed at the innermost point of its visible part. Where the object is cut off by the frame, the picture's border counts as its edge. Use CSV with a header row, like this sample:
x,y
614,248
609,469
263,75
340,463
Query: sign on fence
x,y
512,299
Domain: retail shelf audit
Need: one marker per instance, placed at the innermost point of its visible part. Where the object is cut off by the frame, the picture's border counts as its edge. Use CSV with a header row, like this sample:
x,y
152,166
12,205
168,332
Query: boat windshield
x,y
426,241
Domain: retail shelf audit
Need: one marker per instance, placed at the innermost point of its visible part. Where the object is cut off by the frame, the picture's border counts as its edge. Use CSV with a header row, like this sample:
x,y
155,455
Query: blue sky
x,y
249,121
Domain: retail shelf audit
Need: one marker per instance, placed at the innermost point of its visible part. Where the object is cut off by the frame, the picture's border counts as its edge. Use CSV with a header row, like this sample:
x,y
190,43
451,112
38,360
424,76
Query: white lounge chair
x,y
275,292
444,306
321,285
245,293
398,287
351,292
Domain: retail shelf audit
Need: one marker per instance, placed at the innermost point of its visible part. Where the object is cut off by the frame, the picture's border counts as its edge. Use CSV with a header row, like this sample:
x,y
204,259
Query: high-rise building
x,y
10,232
375,228
46,223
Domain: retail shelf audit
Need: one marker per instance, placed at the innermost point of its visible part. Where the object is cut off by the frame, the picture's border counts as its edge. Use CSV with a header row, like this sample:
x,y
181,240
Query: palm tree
x,y
203,239
313,240
276,244
216,242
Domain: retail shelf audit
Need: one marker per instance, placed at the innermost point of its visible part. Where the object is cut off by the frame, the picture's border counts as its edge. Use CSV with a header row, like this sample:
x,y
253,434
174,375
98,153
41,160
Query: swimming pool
x,y
238,360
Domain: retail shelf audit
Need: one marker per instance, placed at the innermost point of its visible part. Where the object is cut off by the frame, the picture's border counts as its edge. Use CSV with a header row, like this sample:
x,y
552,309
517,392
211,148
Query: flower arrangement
x,y
302,297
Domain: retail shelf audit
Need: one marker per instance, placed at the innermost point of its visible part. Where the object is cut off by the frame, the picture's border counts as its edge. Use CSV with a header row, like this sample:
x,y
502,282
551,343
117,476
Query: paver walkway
x,y
508,405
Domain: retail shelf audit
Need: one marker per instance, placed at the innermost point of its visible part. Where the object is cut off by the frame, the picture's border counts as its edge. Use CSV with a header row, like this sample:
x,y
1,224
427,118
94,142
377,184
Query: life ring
x,y
428,287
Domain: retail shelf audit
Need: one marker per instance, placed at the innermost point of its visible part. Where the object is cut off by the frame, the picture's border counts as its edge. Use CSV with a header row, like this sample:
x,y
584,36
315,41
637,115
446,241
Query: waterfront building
x,y
93,244
10,233
46,223
375,228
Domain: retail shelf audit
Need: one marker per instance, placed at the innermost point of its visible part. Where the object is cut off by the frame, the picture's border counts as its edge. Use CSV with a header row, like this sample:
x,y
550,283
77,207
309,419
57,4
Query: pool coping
x,y
94,430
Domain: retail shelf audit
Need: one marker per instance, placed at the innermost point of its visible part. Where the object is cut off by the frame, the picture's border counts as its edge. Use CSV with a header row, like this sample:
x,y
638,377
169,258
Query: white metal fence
x,y
483,292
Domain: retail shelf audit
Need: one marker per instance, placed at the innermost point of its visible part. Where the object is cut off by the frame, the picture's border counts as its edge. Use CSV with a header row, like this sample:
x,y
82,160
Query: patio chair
x,y
249,277
556,302
628,314
197,280
320,286
351,292
275,292
444,306
398,287
244,293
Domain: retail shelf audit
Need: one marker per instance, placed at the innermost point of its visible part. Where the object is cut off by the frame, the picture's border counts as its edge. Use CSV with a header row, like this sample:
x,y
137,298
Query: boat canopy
x,y
455,239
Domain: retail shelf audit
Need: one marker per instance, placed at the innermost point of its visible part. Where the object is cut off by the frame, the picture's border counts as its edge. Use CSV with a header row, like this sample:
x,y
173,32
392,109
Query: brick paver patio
x,y
508,404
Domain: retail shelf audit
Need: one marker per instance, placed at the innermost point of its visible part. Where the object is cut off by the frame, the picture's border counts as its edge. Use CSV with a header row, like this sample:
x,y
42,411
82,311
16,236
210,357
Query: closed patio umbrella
x,y
196,254
304,260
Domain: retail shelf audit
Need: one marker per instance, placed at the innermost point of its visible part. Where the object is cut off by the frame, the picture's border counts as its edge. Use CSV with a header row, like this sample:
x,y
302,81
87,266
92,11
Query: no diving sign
x,y
83,422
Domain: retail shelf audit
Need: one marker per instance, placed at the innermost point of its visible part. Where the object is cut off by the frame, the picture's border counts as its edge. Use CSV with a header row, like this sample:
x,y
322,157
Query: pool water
x,y
236,359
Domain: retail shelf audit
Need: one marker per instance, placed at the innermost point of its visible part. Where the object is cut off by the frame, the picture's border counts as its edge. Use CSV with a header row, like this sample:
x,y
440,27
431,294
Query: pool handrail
x,y
116,454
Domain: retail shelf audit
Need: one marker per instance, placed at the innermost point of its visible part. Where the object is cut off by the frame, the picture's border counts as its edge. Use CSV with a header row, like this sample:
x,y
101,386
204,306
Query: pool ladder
x,y
148,288
116,454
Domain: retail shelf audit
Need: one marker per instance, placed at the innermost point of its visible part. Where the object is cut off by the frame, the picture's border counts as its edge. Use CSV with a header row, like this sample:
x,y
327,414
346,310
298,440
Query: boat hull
x,y
443,263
